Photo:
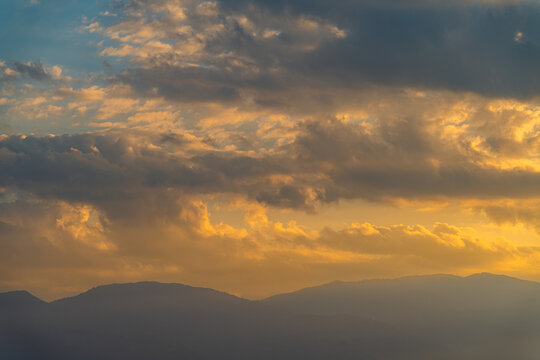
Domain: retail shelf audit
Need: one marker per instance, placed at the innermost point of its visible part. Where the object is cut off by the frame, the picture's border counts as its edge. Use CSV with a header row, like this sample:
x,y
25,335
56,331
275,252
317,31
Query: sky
x,y
261,146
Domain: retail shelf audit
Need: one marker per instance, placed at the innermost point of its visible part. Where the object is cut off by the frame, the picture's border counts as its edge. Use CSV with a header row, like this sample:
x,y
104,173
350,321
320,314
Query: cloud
x,y
328,160
444,244
508,212
197,52
186,85
250,48
287,105
115,171
14,74
34,70
75,246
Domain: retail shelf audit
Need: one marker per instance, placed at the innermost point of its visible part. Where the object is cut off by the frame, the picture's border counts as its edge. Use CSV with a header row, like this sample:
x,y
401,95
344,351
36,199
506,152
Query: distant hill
x,y
171,321
483,316
15,300
402,299
427,317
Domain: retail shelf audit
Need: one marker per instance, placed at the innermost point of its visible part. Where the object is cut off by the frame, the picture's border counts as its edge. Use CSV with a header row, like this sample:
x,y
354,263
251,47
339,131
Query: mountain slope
x,y
14,300
403,299
426,317
19,311
485,315
169,321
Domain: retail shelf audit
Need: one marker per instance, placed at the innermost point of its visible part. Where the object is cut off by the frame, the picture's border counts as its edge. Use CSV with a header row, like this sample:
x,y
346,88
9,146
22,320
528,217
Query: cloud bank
x,y
203,110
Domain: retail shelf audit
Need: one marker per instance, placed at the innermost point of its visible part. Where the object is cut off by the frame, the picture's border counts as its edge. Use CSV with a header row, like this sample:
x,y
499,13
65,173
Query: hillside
x,y
425,317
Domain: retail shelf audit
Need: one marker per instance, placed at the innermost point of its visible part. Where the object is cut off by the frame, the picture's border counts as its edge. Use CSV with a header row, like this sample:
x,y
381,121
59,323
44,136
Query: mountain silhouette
x,y
482,316
426,317
19,300
171,321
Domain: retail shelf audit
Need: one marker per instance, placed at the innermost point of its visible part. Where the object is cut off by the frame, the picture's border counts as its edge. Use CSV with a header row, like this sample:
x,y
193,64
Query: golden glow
x,y
195,156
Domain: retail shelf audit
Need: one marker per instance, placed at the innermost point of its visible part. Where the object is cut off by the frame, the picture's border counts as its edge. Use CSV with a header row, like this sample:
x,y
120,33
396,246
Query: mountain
x,y
171,321
19,311
483,316
426,317
15,300
401,300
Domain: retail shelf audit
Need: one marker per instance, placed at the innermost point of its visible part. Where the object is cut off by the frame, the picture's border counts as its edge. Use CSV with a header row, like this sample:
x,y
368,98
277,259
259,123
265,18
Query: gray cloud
x,y
328,161
398,161
117,174
186,85
33,70
456,45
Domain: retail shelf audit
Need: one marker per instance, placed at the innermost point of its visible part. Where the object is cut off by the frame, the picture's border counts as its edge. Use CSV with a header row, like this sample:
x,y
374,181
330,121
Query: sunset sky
x,y
261,146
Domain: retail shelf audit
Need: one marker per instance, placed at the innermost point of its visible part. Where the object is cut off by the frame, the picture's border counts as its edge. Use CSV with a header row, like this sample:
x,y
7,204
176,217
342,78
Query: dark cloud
x,y
288,196
185,85
462,49
329,160
33,70
456,45
469,48
116,173
320,7
400,159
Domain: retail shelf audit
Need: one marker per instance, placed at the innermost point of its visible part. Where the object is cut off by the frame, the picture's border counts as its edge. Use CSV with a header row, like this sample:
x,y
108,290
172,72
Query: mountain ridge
x,y
447,317
331,283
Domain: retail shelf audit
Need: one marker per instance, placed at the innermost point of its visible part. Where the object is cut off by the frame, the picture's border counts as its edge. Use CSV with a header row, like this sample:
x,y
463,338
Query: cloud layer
x,y
204,110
